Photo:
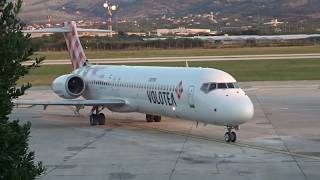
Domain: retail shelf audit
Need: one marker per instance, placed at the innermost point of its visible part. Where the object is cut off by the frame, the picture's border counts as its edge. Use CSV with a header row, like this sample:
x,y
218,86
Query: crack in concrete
x,y
267,115
83,147
180,153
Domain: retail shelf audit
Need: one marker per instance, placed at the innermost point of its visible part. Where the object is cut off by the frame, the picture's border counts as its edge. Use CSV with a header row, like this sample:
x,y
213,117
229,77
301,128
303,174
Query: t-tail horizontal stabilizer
x,y
70,32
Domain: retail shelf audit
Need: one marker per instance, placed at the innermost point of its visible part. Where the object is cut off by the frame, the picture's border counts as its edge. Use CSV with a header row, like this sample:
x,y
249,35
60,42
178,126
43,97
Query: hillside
x,y
133,9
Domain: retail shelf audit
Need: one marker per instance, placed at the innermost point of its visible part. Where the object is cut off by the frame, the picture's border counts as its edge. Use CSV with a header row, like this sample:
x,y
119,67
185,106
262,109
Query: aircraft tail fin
x,y
70,32
74,46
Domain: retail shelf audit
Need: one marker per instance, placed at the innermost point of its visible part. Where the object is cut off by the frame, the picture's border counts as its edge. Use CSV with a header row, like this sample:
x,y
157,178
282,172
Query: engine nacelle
x,y
68,86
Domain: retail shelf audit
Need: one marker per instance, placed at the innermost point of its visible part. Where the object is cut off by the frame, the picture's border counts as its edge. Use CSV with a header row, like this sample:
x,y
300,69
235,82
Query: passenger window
x,y
236,85
222,85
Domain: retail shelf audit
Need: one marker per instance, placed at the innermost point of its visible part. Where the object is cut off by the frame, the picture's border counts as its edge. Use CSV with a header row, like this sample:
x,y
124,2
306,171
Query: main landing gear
x,y
230,136
152,118
97,118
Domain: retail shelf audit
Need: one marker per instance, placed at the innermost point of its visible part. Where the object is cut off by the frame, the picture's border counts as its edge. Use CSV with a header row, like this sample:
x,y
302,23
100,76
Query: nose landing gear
x,y
230,136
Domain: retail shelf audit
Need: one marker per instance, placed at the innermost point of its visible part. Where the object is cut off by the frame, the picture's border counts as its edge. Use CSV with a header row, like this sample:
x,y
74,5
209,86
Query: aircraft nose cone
x,y
240,110
246,109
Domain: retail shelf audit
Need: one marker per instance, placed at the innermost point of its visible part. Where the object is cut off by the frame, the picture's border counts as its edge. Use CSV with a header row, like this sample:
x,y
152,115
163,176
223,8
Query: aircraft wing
x,y
74,102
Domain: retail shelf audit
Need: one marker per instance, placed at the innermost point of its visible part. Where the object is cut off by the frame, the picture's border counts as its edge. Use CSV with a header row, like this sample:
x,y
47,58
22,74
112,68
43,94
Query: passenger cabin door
x,y
191,96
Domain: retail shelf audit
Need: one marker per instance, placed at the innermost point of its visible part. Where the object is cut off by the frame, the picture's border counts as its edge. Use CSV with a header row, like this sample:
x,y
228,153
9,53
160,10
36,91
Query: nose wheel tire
x,y
233,136
227,137
97,119
230,136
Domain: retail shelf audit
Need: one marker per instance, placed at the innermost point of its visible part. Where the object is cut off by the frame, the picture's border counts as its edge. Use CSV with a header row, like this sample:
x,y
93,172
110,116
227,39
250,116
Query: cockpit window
x,y
222,86
204,87
210,86
230,85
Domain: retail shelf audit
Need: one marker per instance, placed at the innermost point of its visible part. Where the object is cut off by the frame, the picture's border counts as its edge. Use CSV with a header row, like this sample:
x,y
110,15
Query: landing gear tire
x,y
230,136
149,118
233,136
93,120
97,119
157,118
152,118
227,137
101,119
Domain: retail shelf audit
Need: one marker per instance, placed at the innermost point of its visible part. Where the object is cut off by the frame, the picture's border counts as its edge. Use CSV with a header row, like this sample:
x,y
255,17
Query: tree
x,y
16,159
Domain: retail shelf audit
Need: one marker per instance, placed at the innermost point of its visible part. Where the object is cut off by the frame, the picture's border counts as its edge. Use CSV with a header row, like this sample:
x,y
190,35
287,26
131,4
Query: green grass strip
x,y
253,70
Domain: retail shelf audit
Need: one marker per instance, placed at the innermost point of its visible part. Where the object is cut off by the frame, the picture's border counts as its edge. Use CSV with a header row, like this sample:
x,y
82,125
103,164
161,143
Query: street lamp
x,y
109,8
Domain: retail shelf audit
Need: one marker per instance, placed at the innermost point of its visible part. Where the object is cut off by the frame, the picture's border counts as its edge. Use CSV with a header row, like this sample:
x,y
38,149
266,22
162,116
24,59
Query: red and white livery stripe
x,y
75,49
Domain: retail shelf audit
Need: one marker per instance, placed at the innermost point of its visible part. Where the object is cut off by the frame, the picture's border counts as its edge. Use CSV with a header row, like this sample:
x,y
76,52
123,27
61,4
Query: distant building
x,y
236,30
181,31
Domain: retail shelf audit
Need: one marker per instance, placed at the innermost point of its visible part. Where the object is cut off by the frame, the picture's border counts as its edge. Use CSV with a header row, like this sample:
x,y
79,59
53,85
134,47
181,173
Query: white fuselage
x,y
169,91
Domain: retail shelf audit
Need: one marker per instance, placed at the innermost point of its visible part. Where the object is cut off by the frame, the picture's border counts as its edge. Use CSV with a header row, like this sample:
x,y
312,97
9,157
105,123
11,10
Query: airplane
x,y
199,94
274,22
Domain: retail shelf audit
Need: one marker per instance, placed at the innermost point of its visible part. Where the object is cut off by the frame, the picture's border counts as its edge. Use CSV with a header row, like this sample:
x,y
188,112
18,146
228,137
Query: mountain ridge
x,y
135,9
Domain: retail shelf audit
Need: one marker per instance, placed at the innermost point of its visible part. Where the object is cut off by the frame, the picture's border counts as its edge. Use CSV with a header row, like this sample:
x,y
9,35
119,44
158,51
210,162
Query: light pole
x,y
109,9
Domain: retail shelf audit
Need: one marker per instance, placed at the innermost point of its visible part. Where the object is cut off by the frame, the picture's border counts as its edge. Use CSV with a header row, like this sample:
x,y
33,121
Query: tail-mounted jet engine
x,y
68,86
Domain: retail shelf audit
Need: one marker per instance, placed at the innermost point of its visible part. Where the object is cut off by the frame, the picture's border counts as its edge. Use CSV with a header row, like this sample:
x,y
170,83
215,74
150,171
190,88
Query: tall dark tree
x,y
16,159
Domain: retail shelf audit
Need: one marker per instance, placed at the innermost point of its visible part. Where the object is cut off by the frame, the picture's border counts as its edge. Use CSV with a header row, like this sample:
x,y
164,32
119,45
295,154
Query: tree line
x,y
56,42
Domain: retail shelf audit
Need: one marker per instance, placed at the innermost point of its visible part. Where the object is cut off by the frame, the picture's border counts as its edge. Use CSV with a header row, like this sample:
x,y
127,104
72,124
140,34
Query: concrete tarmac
x,y
281,142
